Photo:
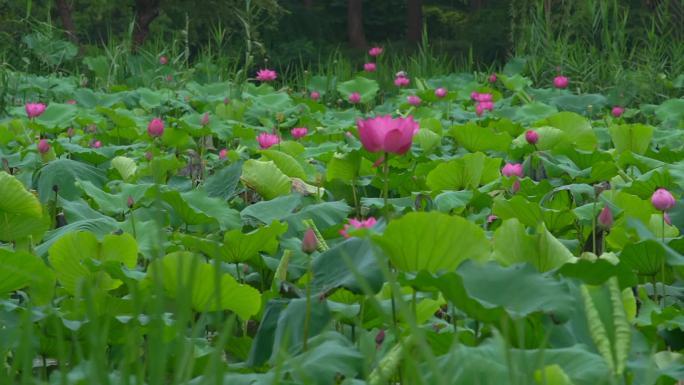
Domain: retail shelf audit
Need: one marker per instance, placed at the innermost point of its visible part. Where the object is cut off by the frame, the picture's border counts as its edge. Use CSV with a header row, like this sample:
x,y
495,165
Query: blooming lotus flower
x,y
492,78
605,218
266,75
299,132
163,60
663,200
155,128
369,67
375,51
401,81
358,224
440,92
484,97
34,110
560,82
315,95
617,111
43,146
223,153
97,144
387,134
531,137
309,242
205,119
267,140
487,105
479,109
413,100
512,169
355,98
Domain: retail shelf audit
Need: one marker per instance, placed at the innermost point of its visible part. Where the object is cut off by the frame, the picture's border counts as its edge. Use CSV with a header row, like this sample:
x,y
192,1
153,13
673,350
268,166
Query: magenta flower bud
x,y
369,67
223,153
155,128
43,146
441,92
516,187
205,119
491,219
163,60
310,242
70,132
413,100
148,155
479,109
663,200
96,144
226,100
267,140
531,137
617,111
489,106
605,218
34,110
266,75
354,98
130,202
375,51
475,96
512,169
315,95
492,78
560,82
299,132
379,338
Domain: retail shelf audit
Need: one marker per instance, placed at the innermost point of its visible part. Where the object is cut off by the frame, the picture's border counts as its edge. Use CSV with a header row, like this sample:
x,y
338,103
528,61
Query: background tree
x,y
357,36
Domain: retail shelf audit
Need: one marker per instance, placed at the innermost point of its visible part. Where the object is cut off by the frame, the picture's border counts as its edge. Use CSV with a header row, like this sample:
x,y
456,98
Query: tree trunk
x,y
414,18
145,12
67,22
357,37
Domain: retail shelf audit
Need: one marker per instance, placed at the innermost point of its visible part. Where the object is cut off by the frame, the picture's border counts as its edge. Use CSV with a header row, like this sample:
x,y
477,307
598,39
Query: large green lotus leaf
x,y
350,265
533,112
184,273
113,204
269,211
324,215
631,137
330,355
671,110
552,375
515,82
475,138
580,103
469,171
599,271
432,241
644,258
63,173
528,213
239,247
57,115
125,166
632,205
344,167
70,253
21,214
274,101
512,244
449,200
289,334
223,183
186,212
367,88
427,139
286,163
20,269
216,208
265,178
577,127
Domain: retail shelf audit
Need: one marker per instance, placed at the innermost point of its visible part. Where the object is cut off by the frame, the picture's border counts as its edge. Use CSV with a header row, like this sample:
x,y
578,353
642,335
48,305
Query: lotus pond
x,y
463,229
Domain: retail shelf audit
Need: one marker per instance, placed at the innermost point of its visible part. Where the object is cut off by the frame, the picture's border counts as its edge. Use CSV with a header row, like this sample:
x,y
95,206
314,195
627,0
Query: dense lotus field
x,y
463,229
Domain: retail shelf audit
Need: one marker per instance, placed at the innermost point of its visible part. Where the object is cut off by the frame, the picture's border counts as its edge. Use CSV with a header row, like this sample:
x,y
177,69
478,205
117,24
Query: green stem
x,y
593,227
307,316
662,267
133,224
385,191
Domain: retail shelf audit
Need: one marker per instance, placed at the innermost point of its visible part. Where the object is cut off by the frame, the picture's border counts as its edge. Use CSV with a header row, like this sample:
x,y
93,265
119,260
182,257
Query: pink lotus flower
x,y
560,82
266,75
369,67
492,78
96,144
358,224
163,60
413,100
299,132
401,81
487,106
267,140
43,146
71,101
478,97
310,241
617,111
516,186
491,218
355,98
479,109
375,51
223,153
315,95
34,110
663,200
155,128
512,169
387,134
440,92
531,137
605,218
474,95
205,119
